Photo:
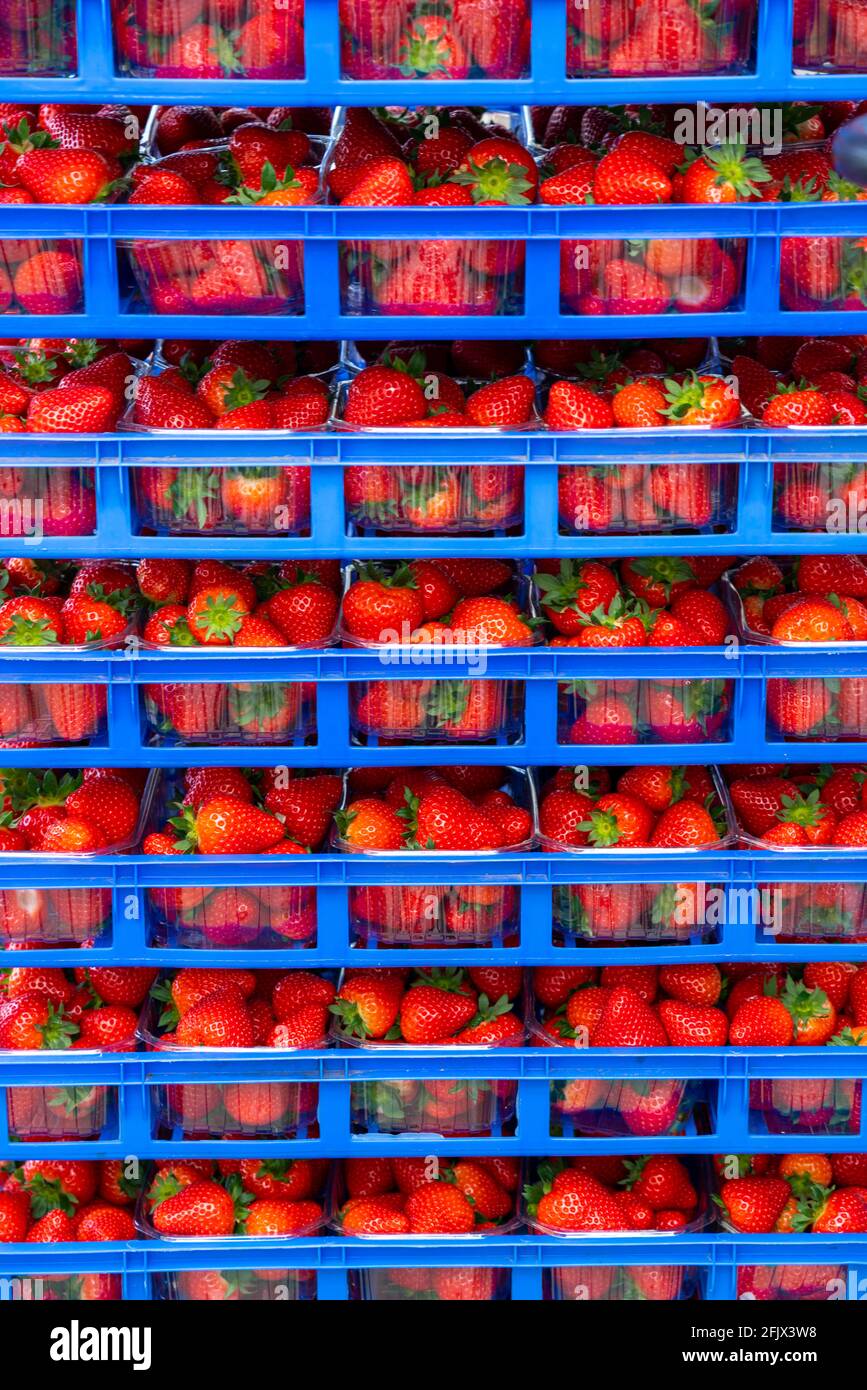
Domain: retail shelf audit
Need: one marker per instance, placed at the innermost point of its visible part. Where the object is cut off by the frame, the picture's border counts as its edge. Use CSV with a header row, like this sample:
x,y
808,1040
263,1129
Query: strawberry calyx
x,y
847,1037
71,1099
59,1031
734,168
48,1194
269,183
811,1202
488,1011
35,368
218,618
242,1200
495,181
28,632
601,829
243,391
664,570
170,1016
804,1004
193,490
450,981
349,1016
801,810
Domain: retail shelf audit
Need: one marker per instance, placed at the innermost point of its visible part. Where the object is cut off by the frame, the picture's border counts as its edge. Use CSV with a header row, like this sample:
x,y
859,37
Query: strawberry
x,y
227,825
305,613
723,175
84,409
305,806
64,175
627,1021
794,406
761,1022
368,1005
578,1203
753,1205
628,177
433,1013
693,1025
662,1182
201,1209
439,1208
502,403
686,825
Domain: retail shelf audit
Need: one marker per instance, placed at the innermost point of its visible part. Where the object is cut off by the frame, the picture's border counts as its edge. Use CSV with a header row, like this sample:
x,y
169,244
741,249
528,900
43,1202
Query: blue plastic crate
x,y
727,1120
772,76
111,310
755,453
717,1257
535,674
735,929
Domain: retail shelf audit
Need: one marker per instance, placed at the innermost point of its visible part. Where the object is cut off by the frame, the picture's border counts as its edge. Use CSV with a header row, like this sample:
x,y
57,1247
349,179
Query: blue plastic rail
x,y
119,531
772,76
529,1259
111,309
721,1078
541,672
732,925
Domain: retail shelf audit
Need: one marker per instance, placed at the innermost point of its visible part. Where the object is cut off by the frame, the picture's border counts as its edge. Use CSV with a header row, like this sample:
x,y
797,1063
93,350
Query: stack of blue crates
x,y
714,1255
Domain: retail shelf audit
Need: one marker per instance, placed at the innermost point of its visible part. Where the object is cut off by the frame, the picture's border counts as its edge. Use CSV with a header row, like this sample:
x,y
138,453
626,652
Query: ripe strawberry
x,y
201,1209
305,613
685,825
753,1205
64,176
793,406
306,806
368,1005
439,1208
433,1013
663,1183
109,803
693,1025
502,403
571,406
761,1022
627,1021
72,409
227,825
628,177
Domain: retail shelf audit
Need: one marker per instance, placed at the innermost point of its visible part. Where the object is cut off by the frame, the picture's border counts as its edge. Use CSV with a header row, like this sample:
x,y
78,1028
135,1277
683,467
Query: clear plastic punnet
x,y
637,914
54,916
439,499
829,37
651,277
217,277
93,1287
41,276
268,917
800,1283
620,1283
820,1106
558,1202
639,711
230,712
38,38
623,38
447,1284
236,1285
634,499
414,914
441,1106
598,1107
36,1114
40,501
432,278
417,39
225,500
237,1109
192,40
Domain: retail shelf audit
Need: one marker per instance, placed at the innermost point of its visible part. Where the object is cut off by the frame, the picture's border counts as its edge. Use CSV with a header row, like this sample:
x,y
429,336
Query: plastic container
x,y
806,708
41,276
423,478
115,847
430,1285
341,1037
704,1214
805,1106
637,914
237,1110
437,499
802,1283
217,277
64,1288
145,1226
235,1285
623,38
432,278
54,916
721,807
643,711
478,914
646,499
829,37
254,713
337,1195
275,917
619,1283
645,276
41,502
447,1108
817,911
41,1113
437,711
199,39
593,1106
416,39
223,500
825,495
52,715
819,273
517,781
37,38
